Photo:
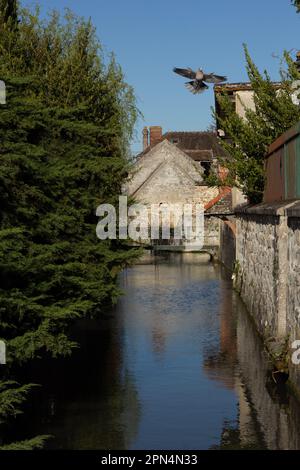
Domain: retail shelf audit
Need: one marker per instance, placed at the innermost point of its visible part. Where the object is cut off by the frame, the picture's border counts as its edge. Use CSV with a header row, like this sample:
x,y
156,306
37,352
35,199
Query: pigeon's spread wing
x,y
188,73
196,86
212,78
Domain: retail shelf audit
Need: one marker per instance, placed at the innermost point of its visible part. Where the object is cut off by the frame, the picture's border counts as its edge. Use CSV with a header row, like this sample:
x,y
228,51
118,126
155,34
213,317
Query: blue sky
x,y
150,37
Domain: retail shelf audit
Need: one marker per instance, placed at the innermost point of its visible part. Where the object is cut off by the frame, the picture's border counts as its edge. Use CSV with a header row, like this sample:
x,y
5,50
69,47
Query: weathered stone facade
x,y
293,289
166,174
267,272
257,268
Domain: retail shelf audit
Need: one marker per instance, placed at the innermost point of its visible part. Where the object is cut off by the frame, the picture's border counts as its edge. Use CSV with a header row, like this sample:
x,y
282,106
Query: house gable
x,y
164,155
168,183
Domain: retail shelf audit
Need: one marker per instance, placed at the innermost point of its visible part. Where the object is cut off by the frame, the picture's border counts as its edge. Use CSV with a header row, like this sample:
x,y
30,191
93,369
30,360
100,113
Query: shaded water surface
x,y
176,365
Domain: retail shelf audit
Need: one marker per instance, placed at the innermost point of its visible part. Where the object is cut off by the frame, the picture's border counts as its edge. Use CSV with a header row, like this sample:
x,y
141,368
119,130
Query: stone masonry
x,y
267,272
166,174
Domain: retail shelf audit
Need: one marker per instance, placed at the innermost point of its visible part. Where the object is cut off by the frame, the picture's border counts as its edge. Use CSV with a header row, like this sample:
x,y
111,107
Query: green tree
x,y
9,13
247,140
64,134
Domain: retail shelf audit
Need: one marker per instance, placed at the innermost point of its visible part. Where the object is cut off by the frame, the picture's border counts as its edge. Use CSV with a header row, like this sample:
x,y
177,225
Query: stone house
x,y
171,169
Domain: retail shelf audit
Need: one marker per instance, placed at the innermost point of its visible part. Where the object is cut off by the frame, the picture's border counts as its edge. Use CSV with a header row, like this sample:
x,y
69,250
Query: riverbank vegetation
x,y
64,146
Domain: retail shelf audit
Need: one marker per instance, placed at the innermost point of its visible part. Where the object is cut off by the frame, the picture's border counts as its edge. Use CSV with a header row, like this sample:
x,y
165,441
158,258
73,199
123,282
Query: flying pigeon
x,y
197,85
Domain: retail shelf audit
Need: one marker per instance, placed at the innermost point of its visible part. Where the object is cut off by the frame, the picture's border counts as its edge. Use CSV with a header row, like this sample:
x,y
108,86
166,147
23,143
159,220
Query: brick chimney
x,y
145,138
155,134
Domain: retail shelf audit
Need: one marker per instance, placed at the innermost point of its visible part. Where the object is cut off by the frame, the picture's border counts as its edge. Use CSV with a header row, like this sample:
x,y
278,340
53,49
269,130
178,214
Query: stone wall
x,y
293,289
211,232
267,272
257,267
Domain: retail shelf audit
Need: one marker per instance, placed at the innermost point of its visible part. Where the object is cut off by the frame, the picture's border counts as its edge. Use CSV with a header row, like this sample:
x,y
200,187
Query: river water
x,y
176,365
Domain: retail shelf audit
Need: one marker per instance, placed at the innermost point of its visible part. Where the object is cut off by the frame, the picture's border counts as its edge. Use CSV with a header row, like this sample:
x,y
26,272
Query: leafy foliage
x,y
64,135
35,443
9,12
247,140
11,397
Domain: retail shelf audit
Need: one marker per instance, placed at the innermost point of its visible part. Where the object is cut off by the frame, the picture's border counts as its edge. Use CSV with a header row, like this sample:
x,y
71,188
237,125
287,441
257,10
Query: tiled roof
x,y
240,86
221,203
201,146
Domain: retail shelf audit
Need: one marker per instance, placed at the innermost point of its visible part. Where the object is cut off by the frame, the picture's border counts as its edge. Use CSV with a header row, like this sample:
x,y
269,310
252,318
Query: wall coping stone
x,y
280,208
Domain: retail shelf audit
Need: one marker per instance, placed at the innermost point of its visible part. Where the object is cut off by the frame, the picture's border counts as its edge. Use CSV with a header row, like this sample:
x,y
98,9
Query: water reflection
x,y
274,410
177,365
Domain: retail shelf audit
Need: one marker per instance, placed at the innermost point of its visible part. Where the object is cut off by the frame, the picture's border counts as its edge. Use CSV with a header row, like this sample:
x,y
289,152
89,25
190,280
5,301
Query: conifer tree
x,y
64,135
8,13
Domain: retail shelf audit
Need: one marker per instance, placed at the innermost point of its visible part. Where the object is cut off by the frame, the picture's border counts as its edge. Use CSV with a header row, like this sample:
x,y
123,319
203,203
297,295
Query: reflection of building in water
x,y
221,365
158,339
277,412
265,415
150,283
233,357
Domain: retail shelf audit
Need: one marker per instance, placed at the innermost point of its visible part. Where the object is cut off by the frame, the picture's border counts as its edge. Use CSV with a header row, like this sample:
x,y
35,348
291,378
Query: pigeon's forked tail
x,y
196,86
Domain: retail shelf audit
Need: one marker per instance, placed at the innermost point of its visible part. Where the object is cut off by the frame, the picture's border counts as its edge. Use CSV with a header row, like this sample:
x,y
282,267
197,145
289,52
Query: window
x,y
206,166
